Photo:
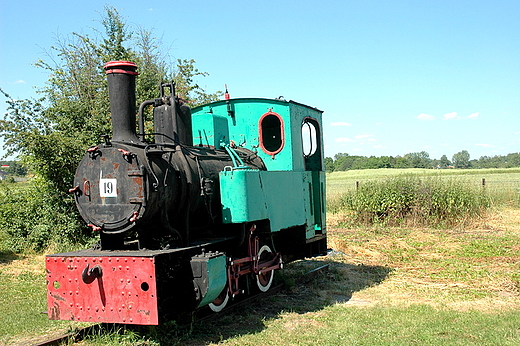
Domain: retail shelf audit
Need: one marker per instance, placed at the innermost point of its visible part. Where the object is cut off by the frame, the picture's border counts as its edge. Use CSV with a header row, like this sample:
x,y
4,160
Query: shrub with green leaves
x,y
32,219
430,201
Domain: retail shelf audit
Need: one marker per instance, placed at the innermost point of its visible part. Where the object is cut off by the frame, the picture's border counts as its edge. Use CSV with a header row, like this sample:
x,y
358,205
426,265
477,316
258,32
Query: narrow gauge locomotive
x,y
201,210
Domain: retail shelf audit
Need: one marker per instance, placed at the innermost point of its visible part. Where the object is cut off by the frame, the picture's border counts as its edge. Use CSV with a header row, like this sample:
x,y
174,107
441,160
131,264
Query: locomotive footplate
x,y
120,286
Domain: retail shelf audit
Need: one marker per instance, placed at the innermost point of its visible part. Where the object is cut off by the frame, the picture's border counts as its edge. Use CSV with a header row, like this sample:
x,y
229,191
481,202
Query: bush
x,y
432,201
31,219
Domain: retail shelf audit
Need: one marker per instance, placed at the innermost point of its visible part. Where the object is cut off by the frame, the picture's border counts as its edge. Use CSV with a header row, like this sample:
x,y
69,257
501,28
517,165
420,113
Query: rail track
x,y
201,316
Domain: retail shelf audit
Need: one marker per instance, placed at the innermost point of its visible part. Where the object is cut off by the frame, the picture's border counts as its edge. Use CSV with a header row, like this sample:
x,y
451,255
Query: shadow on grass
x,y
336,285
7,256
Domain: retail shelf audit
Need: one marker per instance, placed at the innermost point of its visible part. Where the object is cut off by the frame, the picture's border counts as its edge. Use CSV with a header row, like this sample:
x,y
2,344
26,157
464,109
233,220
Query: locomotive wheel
x,y
220,303
265,280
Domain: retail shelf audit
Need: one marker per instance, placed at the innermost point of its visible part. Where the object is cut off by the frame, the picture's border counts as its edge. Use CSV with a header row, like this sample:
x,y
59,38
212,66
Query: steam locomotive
x,y
194,213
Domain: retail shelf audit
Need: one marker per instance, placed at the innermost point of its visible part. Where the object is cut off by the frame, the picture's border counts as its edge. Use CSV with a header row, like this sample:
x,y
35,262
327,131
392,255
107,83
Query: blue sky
x,y
392,77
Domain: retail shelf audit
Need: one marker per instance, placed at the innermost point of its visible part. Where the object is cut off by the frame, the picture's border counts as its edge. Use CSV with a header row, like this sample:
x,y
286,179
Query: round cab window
x,y
271,133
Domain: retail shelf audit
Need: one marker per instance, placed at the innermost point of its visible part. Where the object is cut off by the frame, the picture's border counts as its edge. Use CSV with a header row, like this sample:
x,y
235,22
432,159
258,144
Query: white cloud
x,y
20,81
447,116
340,123
424,116
378,146
451,115
485,145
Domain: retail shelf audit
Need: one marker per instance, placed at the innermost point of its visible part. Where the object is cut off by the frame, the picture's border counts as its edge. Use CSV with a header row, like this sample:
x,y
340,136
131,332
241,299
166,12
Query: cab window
x,y
271,133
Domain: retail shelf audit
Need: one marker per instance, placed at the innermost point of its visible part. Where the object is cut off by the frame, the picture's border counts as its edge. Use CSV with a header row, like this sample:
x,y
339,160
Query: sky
x,y
392,77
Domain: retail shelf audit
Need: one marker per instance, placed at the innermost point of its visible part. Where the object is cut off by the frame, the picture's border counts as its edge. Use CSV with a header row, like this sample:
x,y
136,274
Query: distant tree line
x,y
345,162
13,167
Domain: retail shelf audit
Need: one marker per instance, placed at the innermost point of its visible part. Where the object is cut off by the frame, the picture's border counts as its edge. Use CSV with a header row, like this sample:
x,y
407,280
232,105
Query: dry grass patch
x,y
297,323
473,268
16,265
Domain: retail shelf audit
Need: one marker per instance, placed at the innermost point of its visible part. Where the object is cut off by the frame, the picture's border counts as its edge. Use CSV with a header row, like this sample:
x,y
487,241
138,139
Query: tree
x,y
444,162
345,162
14,168
400,162
51,133
513,160
461,159
329,164
418,160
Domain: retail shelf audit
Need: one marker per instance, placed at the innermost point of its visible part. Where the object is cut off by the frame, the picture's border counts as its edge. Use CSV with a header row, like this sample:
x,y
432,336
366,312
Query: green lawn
x,y
23,300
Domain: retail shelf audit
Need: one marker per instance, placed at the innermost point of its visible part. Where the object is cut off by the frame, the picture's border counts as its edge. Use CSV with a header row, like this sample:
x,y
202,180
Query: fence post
x,y
483,182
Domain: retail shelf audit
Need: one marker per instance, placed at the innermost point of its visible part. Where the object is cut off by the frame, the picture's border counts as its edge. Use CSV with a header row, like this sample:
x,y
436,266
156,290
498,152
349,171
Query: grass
x,y
345,325
23,299
503,185
412,200
385,286
456,265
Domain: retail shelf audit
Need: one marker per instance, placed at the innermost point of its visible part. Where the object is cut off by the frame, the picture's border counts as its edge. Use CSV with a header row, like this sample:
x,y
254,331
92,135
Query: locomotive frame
x,y
223,196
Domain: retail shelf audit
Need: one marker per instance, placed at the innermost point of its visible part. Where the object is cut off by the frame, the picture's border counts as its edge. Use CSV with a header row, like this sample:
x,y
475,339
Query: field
x,y
385,286
503,184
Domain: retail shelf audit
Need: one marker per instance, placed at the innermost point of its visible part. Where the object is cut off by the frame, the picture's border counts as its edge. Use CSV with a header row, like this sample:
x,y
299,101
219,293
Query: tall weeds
x,y
413,200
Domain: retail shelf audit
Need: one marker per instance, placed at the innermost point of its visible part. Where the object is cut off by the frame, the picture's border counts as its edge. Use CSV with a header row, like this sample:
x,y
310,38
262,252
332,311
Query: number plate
x,y
108,187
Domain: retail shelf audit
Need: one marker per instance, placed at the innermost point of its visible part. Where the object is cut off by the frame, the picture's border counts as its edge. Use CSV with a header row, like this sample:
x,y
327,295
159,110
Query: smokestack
x,y
121,92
